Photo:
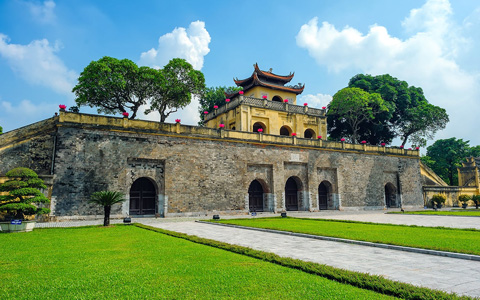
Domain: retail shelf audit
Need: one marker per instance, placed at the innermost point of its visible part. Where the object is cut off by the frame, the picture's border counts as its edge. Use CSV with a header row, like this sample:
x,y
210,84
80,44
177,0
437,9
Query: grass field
x,y
445,239
456,212
127,262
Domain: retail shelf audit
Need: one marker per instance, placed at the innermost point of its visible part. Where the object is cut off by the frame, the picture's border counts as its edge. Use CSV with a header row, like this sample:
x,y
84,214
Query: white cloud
x,y
190,44
428,59
38,63
42,12
24,112
317,101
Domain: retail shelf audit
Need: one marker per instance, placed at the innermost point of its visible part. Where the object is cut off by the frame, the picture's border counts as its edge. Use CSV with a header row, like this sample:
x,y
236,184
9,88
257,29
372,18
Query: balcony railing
x,y
264,103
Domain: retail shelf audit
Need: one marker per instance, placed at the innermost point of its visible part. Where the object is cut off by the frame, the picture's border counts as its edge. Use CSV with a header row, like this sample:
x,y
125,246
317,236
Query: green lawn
x,y
446,239
127,262
456,212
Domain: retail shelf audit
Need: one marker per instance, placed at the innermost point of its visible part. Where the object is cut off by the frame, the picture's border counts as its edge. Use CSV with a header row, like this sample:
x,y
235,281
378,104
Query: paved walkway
x,y
448,274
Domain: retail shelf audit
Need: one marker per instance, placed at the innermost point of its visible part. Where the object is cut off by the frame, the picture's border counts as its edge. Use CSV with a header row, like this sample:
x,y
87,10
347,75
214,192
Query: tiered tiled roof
x,y
267,79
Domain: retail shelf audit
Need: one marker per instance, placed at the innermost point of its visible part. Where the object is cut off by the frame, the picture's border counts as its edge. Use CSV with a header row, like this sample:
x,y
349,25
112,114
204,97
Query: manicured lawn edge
x,y
361,280
453,251
441,214
356,242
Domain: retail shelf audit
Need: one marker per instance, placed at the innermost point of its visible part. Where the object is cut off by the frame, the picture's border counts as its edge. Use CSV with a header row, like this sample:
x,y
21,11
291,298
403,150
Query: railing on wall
x,y
151,127
264,103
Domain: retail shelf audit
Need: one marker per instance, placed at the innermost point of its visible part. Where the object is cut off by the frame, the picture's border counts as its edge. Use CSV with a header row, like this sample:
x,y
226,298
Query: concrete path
x,y
448,274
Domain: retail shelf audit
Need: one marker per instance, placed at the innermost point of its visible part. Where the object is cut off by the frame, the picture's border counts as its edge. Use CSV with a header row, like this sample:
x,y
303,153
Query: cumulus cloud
x,y
42,12
38,63
318,100
190,44
428,58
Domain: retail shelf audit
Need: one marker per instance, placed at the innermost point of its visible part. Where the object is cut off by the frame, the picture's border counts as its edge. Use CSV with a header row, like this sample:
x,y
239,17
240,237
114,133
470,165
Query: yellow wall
x,y
259,91
244,117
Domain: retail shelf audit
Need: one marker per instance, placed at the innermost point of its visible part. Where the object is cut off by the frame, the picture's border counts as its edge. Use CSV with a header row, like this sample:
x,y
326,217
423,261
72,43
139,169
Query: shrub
x,y
438,199
22,194
476,200
464,198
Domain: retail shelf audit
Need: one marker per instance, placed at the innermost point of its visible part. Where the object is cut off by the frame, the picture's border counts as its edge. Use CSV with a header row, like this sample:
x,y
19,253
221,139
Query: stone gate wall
x,y
197,173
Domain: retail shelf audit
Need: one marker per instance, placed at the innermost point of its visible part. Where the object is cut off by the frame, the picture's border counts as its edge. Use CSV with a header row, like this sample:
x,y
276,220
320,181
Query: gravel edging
x,y
362,243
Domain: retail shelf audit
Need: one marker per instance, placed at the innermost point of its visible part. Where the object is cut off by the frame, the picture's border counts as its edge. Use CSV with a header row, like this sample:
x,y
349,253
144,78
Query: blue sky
x,y
44,45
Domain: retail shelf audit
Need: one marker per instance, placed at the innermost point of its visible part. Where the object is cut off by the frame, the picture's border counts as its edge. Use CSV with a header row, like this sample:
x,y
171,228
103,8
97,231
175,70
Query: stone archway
x,y
277,99
285,130
143,196
259,125
390,195
255,196
309,134
291,194
324,195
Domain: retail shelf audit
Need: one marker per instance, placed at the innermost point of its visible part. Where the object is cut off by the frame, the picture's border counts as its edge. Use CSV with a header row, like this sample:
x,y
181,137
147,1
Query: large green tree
x,y
21,194
214,96
115,86
174,87
411,117
444,156
349,109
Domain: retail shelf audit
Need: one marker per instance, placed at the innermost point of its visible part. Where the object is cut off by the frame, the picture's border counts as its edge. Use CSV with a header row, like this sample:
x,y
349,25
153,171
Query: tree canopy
x,y
410,116
174,87
214,96
444,156
1,130
116,86
349,109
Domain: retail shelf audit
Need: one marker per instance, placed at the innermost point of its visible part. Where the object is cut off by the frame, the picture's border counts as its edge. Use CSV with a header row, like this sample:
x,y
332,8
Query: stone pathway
x,y
448,274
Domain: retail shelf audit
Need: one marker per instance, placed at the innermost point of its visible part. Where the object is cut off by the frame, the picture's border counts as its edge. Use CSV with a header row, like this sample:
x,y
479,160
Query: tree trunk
x,y
106,219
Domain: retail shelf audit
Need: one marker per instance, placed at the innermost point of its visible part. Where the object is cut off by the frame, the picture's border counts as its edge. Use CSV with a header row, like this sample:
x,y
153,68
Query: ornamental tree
x,y
214,96
114,86
349,109
22,194
107,199
174,86
444,156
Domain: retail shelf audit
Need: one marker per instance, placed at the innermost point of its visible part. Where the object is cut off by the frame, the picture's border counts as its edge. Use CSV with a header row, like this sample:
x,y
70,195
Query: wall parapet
x,y
152,127
264,103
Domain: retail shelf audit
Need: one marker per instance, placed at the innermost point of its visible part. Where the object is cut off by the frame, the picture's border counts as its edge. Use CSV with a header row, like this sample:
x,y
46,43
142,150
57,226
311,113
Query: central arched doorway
x,y
390,195
255,196
259,125
142,197
323,196
291,194
285,130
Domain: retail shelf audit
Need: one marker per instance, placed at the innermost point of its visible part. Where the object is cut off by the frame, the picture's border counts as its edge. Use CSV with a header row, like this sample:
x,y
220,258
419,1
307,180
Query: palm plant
x,y
107,199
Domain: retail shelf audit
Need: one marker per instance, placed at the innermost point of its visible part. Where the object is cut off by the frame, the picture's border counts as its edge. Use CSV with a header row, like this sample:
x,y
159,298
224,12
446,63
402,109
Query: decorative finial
x,y
270,70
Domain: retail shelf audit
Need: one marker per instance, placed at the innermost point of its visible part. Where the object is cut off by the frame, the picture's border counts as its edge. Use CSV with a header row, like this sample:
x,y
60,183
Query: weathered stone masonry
x,y
198,170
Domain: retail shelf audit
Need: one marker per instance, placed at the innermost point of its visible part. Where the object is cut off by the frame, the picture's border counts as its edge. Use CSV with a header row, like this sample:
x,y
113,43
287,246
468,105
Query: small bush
x,y
464,198
438,199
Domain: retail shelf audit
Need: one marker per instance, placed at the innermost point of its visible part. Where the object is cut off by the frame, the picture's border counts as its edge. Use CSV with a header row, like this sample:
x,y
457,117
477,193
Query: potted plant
x,y
476,200
20,199
438,200
464,199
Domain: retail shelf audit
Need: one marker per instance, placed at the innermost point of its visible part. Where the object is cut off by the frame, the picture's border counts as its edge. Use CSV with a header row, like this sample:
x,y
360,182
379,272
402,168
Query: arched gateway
x,y
142,197
291,194
255,196
323,195
390,195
